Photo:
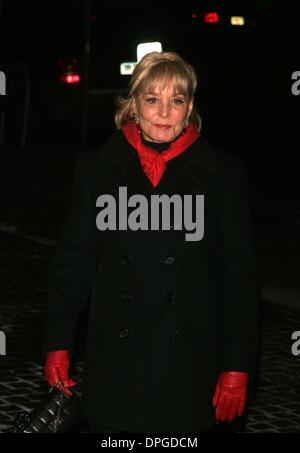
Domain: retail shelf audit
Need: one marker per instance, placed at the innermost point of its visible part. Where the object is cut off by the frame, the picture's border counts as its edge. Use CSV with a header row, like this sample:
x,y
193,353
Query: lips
x,y
163,126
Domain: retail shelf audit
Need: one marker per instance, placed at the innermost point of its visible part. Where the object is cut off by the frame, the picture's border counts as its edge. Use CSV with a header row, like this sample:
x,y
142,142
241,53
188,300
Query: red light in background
x,y
70,78
211,18
194,16
69,73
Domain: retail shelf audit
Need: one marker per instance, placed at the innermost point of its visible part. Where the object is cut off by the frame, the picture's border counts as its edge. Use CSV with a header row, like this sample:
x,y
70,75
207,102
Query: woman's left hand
x,y
230,395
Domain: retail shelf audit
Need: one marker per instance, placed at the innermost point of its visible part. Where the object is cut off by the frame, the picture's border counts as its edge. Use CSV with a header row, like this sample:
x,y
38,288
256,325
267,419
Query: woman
x,y
172,320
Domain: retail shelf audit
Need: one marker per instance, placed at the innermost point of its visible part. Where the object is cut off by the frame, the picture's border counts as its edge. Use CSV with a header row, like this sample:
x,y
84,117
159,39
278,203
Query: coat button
x,y
126,260
170,260
124,333
126,296
169,296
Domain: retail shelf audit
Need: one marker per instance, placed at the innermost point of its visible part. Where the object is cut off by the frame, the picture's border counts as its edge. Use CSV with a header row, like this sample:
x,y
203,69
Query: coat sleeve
x,y
72,267
238,278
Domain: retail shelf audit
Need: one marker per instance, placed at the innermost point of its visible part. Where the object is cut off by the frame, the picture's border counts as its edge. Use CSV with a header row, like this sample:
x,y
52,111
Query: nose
x,y
164,109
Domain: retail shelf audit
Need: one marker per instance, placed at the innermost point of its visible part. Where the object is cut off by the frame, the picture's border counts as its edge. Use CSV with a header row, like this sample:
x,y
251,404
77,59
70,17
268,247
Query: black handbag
x,y
56,414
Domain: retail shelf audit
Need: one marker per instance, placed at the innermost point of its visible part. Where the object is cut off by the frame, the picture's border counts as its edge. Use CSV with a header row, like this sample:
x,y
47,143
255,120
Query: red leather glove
x,y
56,369
230,395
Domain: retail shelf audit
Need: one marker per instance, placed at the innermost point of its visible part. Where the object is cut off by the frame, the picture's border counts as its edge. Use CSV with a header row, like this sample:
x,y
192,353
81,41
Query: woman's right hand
x,y
56,369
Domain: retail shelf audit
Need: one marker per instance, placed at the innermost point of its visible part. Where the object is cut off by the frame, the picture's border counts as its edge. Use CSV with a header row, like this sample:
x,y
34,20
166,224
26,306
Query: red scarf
x,y
153,162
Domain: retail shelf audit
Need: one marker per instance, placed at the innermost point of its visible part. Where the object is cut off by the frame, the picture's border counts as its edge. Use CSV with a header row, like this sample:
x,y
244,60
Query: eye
x,y
151,100
178,101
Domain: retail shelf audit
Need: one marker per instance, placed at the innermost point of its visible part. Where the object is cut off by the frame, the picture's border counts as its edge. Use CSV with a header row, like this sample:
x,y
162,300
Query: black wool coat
x,y
166,315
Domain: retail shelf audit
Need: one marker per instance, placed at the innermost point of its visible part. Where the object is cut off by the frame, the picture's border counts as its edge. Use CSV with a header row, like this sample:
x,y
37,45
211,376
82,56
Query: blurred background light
x,y
147,47
237,20
127,67
211,18
71,79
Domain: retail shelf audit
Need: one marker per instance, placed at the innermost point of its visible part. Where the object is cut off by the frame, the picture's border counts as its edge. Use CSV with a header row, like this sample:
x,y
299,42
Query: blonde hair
x,y
158,68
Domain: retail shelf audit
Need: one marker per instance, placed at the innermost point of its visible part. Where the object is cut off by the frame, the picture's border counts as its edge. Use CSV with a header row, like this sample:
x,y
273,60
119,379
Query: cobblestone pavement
x,y
274,401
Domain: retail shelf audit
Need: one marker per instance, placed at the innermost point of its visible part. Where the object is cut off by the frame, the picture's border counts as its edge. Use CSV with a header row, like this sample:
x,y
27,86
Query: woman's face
x,y
162,114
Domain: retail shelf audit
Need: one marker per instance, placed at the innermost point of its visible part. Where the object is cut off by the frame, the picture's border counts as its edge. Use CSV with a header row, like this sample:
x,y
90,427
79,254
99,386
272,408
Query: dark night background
x,y
247,107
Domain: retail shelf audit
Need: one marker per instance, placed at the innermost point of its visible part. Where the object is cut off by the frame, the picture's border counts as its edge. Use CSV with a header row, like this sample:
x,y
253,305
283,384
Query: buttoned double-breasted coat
x,y
166,315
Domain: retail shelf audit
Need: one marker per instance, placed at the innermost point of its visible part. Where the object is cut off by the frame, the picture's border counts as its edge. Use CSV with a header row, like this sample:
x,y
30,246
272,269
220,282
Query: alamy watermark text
x,y
2,343
159,210
2,84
